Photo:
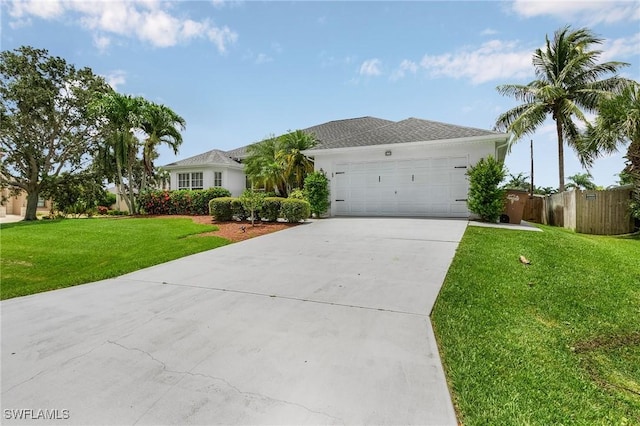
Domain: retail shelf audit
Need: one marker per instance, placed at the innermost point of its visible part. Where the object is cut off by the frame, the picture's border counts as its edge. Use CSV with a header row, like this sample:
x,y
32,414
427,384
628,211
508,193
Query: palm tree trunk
x,y
560,156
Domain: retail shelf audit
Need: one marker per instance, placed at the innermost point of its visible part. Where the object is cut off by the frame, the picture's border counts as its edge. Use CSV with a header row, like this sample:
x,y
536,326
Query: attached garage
x,y
408,168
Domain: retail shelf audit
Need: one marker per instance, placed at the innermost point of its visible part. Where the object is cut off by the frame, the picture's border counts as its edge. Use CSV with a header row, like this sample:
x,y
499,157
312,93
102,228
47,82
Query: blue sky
x,y
241,71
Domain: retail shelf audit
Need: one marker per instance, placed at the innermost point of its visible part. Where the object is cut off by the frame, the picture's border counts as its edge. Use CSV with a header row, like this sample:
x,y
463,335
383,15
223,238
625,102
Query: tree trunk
x,y
32,206
560,156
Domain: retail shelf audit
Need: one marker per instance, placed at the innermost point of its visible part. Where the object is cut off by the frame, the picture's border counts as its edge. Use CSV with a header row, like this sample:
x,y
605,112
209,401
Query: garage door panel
x,y
420,187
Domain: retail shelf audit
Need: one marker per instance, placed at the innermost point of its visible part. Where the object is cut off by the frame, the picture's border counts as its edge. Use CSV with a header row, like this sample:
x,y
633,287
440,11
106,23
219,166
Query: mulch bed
x,y
233,231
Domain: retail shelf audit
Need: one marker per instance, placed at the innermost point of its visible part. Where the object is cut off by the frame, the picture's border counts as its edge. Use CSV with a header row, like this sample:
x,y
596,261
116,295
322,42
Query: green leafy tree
x,y
568,84
77,193
44,125
252,201
486,198
581,181
316,189
545,190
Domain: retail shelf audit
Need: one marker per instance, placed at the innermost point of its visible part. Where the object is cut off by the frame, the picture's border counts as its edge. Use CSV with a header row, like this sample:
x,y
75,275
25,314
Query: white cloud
x,y
370,67
147,20
116,78
263,58
405,66
589,12
621,48
493,60
488,31
101,42
42,9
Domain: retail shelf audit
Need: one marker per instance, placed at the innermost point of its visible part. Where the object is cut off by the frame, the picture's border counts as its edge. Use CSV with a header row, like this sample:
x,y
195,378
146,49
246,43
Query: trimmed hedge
x,y
220,208
271,208
294,210
225,209
180,201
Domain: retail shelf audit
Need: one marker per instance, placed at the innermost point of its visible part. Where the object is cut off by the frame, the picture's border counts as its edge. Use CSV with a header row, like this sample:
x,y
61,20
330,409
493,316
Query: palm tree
x,y
618,123
296,164
568,84
161,125
263,166
519,181
120,116
581,181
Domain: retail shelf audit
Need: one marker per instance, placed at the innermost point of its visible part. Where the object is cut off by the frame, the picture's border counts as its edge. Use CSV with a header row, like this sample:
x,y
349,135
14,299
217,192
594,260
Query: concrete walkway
x,y
325,323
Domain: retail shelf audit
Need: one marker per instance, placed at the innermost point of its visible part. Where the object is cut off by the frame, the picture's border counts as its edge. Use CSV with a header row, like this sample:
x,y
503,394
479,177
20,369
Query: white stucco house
x,y
376,167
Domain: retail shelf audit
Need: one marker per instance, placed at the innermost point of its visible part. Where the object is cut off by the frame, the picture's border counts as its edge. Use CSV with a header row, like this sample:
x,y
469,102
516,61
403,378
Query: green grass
x,y
46,255
555,342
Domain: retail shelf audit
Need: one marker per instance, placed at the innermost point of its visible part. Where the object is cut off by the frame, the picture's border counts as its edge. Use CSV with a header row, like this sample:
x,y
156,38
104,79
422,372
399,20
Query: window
x,y
40,201
196,180
217,178
183,181
190,180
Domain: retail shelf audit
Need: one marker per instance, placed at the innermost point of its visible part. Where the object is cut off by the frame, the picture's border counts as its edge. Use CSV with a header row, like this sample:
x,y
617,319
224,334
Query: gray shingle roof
x,y
333,131
355,132
409,130
215,156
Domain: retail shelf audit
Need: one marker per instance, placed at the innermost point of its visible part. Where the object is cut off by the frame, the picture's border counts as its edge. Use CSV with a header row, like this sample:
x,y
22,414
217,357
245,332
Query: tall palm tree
x,y
296,164
568,84
161,126
120,115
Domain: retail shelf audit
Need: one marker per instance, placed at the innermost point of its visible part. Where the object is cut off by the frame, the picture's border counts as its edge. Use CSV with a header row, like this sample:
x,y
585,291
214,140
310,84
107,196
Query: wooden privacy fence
x,y
590,212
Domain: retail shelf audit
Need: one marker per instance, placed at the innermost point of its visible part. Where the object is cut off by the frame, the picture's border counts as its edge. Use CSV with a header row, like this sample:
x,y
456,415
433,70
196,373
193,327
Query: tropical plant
x,y
316,189
519,181
277,163
44,126
486,198
161,126
568,84
545,190
581,181
117,155
618,123
296,164
263,166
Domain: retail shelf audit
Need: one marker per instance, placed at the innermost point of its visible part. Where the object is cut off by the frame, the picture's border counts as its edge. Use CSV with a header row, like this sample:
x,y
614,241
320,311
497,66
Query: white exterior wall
x,y
232,179
235,181
472,150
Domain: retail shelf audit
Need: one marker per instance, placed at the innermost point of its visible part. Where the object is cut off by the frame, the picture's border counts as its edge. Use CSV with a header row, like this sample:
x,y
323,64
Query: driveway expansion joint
x,y
299,299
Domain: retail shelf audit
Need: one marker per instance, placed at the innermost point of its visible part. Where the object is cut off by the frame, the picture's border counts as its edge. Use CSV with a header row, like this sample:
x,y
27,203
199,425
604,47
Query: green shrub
x,y
182,201
294,210
252,202
220,208
486,198
316,189
237,209
271,208
117,213
200,199
298,194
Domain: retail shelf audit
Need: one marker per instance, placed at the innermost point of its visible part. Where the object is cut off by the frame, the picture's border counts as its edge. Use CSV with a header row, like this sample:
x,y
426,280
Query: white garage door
x,y
425,187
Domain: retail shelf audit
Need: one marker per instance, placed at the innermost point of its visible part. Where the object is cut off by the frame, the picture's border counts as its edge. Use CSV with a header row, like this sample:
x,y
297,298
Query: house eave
x,y
203,166
473,139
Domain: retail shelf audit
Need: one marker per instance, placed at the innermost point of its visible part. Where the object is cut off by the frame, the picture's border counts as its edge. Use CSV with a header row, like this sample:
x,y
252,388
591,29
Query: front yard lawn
x,y
554,342
46,255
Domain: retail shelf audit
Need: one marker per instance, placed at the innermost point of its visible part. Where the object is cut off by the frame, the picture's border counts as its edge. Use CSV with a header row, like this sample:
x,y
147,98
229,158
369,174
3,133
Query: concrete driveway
x,y
324,323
